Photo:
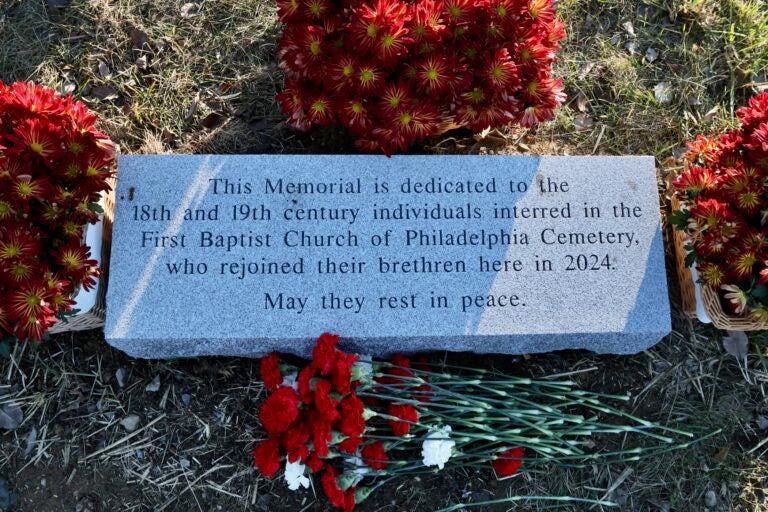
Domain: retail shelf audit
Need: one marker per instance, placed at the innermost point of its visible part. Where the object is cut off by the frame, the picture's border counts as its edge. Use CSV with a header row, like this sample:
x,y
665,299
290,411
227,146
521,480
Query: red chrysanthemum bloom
x,y
458,60
508,462
279,410
407,415
270,371
501,72
695,180
375,456
266,458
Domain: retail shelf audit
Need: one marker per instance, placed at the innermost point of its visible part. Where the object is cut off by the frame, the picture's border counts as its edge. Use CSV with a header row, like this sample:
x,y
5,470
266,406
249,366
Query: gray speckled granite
x,y
613,300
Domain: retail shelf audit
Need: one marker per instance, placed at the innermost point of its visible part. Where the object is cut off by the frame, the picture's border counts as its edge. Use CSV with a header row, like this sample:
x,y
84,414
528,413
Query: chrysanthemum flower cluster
x,y
725,210
394,72
359,424
53,167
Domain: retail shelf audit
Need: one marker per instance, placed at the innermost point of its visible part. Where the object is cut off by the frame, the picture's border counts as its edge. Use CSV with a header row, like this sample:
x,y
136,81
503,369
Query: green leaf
x,y
760,291
690,259
679,219
96,208
5,348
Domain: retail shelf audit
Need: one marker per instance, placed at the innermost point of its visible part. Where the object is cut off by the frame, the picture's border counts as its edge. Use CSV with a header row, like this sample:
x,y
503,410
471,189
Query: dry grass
x,y
165,82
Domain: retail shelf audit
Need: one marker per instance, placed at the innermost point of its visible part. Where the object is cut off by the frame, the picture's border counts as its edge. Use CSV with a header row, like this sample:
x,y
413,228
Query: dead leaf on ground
x,y
722,453
55,5
68,87
130,423
583,122
139,39
663,92
582,102
153,386
31,442
104,93
11,417
189,10
104,70
736,343
212,120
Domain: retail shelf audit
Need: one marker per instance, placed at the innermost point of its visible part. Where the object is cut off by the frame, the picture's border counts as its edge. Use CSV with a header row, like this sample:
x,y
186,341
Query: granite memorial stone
x,y
242,255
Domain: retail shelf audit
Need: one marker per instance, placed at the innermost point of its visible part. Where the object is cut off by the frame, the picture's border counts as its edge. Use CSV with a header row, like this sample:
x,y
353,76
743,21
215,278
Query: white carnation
x,y
290,381
437,447
294,475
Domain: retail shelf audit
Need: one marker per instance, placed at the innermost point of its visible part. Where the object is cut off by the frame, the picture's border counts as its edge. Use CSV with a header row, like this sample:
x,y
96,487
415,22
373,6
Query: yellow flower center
x,y
366,75
314,47
319,106
357,108
372,30
405,118
348,70
24,189
316,8
37,148
71,261
11,251
387,41
476,96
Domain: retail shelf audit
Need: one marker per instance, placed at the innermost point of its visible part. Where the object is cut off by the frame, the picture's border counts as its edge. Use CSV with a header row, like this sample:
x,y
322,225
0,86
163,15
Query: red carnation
x,y
266,457
375,456
350,445
324,404
406,413
352,423
321,435
304,383
324,353
270,372
401,368
295,442
344,500
509,462
315,463
280,410
341,374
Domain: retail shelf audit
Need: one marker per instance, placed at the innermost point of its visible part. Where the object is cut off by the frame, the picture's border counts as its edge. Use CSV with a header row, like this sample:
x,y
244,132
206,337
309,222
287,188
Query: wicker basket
x,y
94,317
709,296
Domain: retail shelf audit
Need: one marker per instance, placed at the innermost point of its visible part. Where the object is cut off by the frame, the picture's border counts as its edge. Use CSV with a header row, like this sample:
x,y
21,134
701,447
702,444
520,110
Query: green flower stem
x,y
514,499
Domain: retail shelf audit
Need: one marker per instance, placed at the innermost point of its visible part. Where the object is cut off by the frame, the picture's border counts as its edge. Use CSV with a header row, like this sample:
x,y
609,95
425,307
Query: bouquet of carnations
x,y
394,72
724,211
358,424
54,165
